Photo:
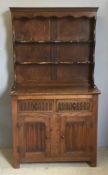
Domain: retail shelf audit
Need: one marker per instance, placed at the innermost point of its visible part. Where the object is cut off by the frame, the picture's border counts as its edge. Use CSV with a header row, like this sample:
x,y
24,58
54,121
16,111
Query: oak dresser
x,y
54,98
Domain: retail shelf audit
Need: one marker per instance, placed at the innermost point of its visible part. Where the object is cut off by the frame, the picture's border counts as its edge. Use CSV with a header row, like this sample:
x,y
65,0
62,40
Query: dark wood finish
x,y
56,45
54,98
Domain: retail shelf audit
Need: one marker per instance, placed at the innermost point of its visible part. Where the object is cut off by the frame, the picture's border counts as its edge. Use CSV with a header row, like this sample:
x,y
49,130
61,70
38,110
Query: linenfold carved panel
x,y
35,137
74,131
74,105
66,105
34,105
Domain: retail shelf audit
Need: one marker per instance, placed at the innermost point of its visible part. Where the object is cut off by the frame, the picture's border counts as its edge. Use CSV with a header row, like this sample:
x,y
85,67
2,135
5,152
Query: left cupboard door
x,y
34,137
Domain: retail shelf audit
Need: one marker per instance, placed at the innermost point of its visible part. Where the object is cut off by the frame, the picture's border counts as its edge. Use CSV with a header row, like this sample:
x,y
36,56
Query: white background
x,y
6,64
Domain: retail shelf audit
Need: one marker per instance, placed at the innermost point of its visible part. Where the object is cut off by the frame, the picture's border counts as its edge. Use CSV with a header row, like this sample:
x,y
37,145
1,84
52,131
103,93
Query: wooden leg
x,y
16,164
16,160
93,163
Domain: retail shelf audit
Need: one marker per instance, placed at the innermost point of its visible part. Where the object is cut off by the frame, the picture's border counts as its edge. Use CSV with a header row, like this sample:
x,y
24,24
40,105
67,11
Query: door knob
x,y
62,137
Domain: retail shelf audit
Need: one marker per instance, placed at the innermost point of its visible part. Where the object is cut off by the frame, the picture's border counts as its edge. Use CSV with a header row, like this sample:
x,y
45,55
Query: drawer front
x,y
74,105
58,105
35,105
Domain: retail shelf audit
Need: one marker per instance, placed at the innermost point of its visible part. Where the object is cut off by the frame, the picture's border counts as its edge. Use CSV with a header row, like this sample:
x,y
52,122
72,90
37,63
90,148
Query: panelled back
x,y
54,47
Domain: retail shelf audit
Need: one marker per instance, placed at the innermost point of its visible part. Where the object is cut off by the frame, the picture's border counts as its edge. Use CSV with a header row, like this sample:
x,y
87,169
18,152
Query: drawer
x,y
35,105
74,105
61,105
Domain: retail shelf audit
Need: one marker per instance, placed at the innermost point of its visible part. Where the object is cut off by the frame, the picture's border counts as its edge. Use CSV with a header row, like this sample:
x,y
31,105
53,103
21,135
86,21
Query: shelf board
x,y
54,42
56,62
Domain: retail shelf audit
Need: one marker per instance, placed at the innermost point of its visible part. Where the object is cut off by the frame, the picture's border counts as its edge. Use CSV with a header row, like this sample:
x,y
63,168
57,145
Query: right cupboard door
x,y
76,136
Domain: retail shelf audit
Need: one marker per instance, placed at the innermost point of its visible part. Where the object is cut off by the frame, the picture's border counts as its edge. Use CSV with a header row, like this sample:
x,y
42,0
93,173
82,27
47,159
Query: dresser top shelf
x,y
21,12
53,90
56,62
54,42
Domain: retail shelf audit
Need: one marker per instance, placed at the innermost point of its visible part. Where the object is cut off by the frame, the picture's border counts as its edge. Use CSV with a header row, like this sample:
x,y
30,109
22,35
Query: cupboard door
x,y
34,136
75,135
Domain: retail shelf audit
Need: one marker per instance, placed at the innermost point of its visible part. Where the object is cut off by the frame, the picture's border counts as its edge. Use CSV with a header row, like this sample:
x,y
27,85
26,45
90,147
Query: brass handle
x,y
62,137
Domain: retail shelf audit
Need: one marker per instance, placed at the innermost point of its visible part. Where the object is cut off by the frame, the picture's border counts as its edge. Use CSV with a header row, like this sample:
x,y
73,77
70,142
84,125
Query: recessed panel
x,y
32,52
32,73
77,29
76,134
35,137
32,29
75,74
74,52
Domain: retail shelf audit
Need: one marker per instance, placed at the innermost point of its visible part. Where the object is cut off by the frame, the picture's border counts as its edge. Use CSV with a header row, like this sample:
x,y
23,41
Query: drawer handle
x,y
62,137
